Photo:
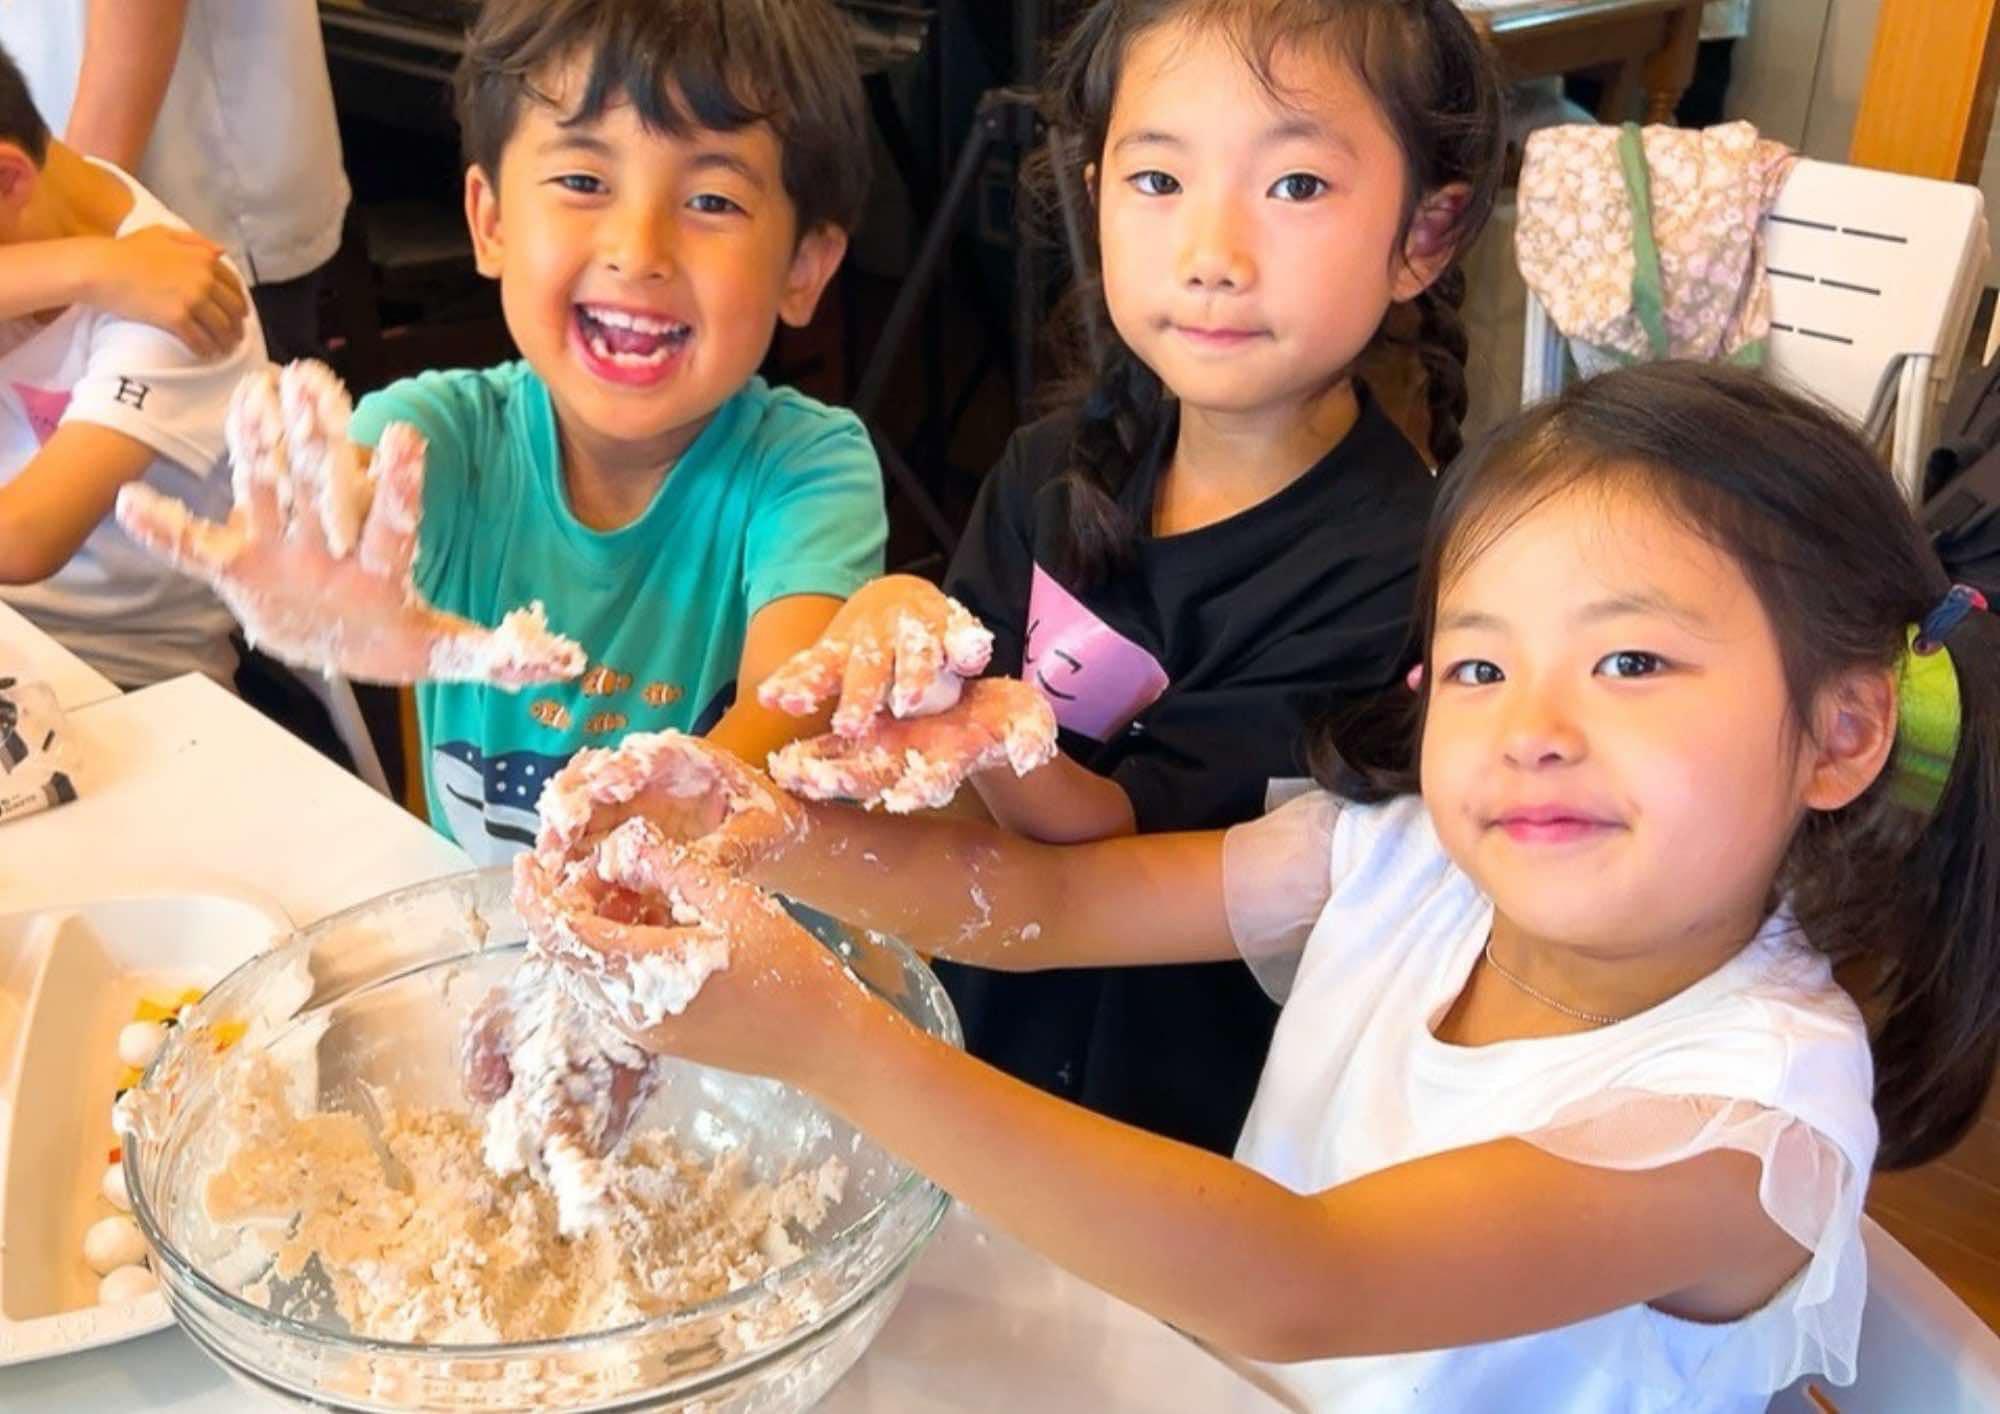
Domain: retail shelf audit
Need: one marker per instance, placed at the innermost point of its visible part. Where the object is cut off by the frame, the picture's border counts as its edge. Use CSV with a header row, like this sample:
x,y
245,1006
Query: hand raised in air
x,y
315,559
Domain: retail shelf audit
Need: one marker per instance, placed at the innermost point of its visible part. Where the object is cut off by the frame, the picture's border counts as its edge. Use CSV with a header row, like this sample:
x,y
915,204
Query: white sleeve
x,y
147,384
1809,1187
1277,875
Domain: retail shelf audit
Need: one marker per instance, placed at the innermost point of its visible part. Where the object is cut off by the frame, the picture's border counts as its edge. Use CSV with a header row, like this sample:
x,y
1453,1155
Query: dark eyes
x,y
1298,186
1625,663
1294,186
1474,672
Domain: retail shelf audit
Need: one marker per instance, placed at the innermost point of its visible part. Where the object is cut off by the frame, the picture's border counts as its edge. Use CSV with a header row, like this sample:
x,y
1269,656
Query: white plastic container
x,y
69,980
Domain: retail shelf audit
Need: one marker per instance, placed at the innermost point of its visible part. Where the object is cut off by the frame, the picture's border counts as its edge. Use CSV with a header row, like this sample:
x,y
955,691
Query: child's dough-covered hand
x,y
630,895
622,936
919,763
616,825
778,1006
688,791
315,559
492,1044
898,642
622,881
561,1083
561,1086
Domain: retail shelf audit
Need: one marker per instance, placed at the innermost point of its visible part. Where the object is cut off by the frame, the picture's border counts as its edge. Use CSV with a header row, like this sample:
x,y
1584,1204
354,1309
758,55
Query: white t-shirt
x,y
122,611
245,148
1766,1055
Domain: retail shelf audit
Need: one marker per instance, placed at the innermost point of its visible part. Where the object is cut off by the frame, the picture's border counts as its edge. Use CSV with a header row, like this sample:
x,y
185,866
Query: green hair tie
x,y
1927,725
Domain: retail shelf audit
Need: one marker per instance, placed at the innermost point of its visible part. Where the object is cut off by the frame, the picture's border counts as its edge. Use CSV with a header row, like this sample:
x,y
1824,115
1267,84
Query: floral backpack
x,y
1645,244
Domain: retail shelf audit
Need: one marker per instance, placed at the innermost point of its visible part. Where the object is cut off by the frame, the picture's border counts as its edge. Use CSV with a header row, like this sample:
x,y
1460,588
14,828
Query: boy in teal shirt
x,y
655,184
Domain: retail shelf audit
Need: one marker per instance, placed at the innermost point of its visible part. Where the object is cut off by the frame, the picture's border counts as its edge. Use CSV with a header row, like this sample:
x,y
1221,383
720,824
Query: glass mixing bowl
x,y
375,999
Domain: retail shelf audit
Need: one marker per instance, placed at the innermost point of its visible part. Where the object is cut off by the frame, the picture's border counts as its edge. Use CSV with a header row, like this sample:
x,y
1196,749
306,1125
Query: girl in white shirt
x,y
1566,1110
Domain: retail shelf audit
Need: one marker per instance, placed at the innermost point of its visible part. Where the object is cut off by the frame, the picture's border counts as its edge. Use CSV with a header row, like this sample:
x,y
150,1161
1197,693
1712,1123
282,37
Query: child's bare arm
x,y
1473,1245
1476,1244
1062,803
50,507
129,51
777,631
172,279
972,892
955,888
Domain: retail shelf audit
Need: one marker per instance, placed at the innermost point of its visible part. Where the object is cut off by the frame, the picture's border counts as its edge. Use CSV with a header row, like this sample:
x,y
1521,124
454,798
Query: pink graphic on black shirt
x,y
1097,679
44,407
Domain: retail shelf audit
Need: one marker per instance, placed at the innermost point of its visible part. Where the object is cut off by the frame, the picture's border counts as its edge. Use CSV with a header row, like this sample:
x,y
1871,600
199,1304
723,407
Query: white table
x,y
184,785
989,1325
27,652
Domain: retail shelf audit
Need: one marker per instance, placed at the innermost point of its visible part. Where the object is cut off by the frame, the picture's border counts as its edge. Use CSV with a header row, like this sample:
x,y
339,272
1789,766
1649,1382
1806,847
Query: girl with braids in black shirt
x,y
1219,542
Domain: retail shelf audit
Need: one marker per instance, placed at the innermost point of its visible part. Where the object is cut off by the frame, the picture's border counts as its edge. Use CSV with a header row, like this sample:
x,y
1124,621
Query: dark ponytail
x,y
1935,984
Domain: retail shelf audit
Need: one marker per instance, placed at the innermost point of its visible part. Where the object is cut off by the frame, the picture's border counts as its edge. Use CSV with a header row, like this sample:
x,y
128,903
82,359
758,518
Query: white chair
x,y
1922,1349
1875,277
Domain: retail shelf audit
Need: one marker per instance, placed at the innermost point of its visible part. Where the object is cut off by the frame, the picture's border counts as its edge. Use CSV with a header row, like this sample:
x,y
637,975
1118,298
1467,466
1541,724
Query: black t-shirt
x,y
1248,631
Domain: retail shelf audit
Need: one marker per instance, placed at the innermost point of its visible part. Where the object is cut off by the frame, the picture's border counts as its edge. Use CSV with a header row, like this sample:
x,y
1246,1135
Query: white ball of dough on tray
x,y
139,1042
126,1283
113,1242
112,1186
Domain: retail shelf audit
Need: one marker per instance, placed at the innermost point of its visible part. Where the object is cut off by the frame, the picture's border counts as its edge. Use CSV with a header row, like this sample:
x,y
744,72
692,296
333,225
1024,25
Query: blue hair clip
x,y
1951,611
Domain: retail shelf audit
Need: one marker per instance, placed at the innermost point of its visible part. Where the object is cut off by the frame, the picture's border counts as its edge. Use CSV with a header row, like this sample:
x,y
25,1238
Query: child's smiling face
x,y
1251,238
1610,747
642,274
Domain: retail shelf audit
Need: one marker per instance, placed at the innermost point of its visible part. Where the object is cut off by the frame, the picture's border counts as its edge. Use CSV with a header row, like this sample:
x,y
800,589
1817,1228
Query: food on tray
x,y
113,1242
127,1283
114,1247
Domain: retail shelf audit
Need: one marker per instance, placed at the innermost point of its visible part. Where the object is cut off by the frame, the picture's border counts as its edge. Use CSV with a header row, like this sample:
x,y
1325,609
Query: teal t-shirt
x,y
779,495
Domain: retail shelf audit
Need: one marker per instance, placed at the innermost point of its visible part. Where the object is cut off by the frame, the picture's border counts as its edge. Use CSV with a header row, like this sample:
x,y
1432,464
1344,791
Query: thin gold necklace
x,y
1576,1013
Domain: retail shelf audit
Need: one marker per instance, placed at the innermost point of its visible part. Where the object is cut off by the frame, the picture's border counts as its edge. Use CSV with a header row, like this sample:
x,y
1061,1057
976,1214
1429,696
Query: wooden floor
x,y
1948,1213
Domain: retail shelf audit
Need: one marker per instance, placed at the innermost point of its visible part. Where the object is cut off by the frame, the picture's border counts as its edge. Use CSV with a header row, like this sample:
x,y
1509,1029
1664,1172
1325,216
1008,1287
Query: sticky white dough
x,y
943,693
113,1242
139,1042
125,1284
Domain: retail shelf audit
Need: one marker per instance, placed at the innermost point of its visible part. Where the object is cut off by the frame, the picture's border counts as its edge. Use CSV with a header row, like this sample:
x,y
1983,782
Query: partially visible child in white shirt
x,y
122,337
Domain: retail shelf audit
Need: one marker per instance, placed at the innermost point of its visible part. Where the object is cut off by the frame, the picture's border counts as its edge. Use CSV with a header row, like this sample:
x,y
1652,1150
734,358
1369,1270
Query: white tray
x,y
69,979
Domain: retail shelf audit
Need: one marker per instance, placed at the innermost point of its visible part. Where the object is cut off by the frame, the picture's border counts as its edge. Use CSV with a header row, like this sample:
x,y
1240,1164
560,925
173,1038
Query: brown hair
x,y
1788,490
683,65
1436,83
